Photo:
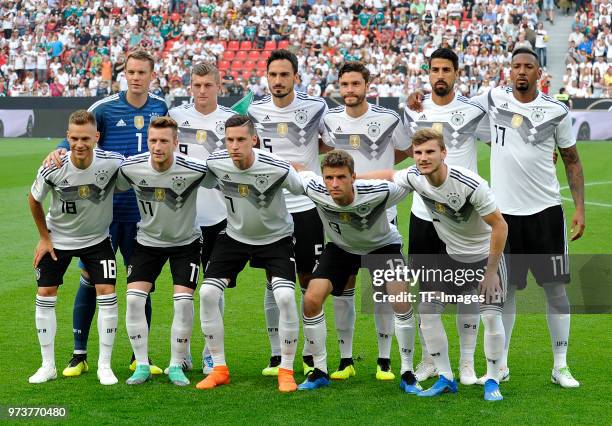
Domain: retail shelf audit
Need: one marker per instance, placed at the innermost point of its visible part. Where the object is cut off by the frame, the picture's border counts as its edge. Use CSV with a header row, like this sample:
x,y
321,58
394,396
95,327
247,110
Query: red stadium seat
x,y
260,72
246,45
235,74
261,65
270,45
283,44
241,55
233,45
228,55
248,66
237,65
224,65
265,55
254,55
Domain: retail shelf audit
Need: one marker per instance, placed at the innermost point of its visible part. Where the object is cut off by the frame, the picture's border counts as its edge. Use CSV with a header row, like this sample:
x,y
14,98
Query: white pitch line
x,y
590,203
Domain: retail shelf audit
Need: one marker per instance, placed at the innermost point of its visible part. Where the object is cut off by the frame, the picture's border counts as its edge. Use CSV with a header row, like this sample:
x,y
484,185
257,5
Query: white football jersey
x,y
166,201
362,226
523,139
199,136
459,123
292,133
256,209
456,208
370,139
81,207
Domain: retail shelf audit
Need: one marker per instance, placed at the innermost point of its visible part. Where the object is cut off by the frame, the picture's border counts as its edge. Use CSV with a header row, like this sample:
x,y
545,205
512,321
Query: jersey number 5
x,y
266,143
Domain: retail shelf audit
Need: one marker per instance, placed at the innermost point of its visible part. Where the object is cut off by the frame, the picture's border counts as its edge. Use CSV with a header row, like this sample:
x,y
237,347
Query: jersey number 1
x,y
139,137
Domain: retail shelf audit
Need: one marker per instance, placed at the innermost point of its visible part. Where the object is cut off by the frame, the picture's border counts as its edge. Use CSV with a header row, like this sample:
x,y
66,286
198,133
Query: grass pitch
x,y
529,396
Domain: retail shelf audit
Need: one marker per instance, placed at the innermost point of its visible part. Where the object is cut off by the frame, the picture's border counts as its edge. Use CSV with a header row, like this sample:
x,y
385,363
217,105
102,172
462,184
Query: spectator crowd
x,y
589,56
78,47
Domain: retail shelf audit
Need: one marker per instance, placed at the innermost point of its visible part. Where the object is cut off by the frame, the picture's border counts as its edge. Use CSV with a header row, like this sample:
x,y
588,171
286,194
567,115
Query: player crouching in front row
x,y
77,225
467,220
356,225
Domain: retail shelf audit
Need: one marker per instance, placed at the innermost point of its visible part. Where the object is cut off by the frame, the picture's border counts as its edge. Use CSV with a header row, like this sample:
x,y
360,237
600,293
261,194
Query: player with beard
x,y
375,137
458,120
288,124
527,127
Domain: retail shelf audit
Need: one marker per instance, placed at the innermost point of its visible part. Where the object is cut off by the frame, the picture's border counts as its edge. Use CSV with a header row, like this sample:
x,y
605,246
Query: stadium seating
x,y
398,65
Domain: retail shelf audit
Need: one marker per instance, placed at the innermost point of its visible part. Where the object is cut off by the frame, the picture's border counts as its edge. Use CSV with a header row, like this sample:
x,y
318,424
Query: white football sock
x,y
46,324
305,348
206,352
288,324
468,319
383,318
404,332
344,315
136,324
182,323
211,320
508,317
315,334
108,319
425,357
272,314
494,340
435,336
558,318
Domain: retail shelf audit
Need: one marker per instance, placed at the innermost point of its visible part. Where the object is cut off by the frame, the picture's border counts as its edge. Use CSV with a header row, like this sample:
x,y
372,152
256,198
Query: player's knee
x,y
47,291
135,305
104,289
430,314
492,321
209,296
556,299
313,304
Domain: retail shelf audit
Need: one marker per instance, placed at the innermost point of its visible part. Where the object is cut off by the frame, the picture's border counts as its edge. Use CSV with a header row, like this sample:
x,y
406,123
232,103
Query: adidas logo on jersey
x,y
64,183
504,105
266,118
143,182
186,124
423,117
339,129
121,123
227,177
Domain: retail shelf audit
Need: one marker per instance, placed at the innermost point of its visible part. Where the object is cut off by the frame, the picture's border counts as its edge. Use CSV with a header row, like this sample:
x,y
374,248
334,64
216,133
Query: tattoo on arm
x,y
575,176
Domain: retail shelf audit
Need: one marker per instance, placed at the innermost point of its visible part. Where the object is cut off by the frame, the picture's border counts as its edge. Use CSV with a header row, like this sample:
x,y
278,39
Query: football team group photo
x,y
308,240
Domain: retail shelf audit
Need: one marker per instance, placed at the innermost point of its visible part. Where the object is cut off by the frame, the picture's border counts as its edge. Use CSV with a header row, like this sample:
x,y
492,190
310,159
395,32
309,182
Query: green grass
x,y
529,396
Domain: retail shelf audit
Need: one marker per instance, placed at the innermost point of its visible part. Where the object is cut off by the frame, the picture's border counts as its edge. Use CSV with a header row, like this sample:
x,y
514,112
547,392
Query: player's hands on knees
x,y
489,287
55,156
43,247
578,225
415,101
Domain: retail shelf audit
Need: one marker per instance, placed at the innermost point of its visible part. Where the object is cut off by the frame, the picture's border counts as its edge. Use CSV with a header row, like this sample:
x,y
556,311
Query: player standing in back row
x,y
123,120
458,120
376,139
202,132
527,127
288,124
